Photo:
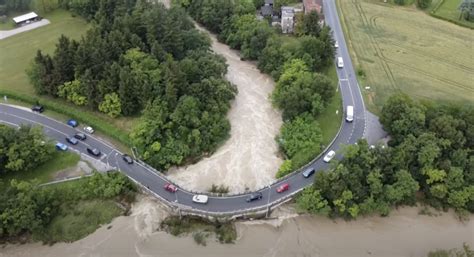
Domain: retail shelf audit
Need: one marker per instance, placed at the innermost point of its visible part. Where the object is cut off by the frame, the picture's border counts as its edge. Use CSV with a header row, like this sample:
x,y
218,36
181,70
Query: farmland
x,y
404,49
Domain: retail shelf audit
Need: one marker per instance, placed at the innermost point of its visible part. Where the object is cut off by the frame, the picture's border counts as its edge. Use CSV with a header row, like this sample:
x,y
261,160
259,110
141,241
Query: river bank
x,y
403,233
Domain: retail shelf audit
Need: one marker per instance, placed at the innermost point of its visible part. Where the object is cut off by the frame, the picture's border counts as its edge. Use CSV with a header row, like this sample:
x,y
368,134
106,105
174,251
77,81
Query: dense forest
x,y
429,158
295,62
141,58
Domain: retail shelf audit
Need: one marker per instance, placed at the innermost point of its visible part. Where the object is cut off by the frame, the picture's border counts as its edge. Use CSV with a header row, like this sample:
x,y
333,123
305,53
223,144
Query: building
x,y
26,18
266,11
313,5
287,19
269,2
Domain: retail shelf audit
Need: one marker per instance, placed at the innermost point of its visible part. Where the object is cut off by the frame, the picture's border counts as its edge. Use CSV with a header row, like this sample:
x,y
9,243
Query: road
x,y
154,181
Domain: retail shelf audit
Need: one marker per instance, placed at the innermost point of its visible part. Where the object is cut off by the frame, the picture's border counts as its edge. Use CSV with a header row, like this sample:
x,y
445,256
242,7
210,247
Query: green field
x,y
448,9
45,173
404,49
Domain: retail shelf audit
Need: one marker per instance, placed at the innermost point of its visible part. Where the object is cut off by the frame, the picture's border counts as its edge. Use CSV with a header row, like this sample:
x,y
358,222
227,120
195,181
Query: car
x,y
329,156
340,62
61,146
37,108
307,173
72,123
89,130
93,151
171,188
127,158
336,45
200,199
283,187
72,140
254,196
80,136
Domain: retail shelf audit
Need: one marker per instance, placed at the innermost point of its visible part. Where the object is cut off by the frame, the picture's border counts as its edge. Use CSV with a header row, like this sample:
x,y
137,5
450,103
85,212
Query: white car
x,y
336,44
89,130
329,156
200,199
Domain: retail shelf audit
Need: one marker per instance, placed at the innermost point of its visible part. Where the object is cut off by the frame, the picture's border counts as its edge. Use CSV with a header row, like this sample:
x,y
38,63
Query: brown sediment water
x,y
249,158
403,233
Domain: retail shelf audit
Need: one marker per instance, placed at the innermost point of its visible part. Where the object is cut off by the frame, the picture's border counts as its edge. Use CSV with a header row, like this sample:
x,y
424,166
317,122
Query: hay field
x,y
401,48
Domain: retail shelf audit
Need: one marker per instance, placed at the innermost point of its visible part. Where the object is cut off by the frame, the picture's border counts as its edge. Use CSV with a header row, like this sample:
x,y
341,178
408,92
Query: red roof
x,y
312,5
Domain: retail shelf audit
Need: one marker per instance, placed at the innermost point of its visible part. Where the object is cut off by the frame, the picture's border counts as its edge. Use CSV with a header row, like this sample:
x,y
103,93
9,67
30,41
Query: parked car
x,y
89,130
329,156
200,199
307,173
72,140
254,196
80,136
283,187
61,146
171,188
37,108
93,151
127,158
72,123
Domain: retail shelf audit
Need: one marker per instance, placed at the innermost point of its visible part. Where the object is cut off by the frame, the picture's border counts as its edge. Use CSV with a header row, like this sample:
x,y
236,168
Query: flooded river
x,y
403,234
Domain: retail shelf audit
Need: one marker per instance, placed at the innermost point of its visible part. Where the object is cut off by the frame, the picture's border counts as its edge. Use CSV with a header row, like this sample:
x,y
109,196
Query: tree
x,y
308,25
271,59
72,91
111,105
423,4
403,190
300,135
312,201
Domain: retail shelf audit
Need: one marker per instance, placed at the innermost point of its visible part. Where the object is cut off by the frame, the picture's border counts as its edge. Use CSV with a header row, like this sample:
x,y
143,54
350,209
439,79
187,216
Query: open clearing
x,y
449,10
401,48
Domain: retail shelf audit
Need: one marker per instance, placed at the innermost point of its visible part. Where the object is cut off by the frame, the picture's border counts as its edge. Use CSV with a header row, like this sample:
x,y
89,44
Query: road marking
x,y
9,123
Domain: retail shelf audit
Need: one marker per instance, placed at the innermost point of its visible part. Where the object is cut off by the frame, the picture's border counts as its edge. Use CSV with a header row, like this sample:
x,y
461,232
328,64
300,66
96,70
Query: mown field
x,y
404,49
18,51
448,9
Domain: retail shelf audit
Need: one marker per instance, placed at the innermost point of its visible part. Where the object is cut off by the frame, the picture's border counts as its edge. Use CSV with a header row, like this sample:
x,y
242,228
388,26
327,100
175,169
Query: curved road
x,y
349,134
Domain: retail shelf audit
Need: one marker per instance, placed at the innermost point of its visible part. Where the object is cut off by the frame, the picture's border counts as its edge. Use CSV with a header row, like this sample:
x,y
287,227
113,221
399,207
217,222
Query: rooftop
x,y
25,17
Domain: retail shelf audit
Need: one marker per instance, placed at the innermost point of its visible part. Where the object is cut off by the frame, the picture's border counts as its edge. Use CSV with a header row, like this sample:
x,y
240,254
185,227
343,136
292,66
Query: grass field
x,y
404,49
45,173
449,10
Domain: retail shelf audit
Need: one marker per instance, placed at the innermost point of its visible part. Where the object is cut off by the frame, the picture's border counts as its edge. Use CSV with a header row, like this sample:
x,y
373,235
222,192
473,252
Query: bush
x,y
285,168
221,189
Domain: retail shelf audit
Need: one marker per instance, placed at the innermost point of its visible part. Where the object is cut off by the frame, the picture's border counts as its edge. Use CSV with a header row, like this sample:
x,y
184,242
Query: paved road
x,y
349,134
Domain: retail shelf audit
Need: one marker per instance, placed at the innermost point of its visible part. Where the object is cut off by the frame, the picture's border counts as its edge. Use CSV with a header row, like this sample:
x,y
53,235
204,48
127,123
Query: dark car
x,y
254,196
80,136
127,158
72,123
37,108
93,151
307,173
72,140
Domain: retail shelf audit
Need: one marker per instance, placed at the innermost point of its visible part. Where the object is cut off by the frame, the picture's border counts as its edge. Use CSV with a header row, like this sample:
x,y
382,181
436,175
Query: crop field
x,y
404,49
448,9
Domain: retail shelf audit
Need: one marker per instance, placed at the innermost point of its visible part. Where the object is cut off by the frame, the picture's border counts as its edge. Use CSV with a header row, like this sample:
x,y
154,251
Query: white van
x,y
349,113
340,62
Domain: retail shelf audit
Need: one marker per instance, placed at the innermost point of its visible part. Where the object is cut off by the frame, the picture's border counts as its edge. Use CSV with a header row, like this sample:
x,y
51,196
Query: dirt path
x,y
248,159
403,234
8,33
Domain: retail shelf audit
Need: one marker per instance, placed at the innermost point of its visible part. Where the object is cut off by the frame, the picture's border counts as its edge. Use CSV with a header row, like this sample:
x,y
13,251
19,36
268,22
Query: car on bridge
x,y
329,156
171,188
283,187
254,197
93,151
308,173
200,199
127,158
80,136
37,108
72,123
72,140
61,146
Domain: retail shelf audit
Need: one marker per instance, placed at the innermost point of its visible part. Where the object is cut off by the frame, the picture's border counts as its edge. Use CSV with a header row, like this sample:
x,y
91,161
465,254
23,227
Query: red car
x,y
283,187
171,188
